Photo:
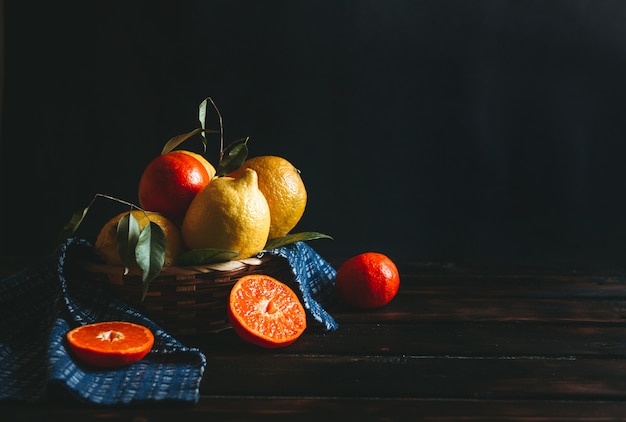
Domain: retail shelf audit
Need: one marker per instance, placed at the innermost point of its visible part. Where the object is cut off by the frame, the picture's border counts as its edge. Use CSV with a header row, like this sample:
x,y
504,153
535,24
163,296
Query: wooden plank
x,y
509,268
427,339
304,409
540,287
536,286
414,309
457,343
398,376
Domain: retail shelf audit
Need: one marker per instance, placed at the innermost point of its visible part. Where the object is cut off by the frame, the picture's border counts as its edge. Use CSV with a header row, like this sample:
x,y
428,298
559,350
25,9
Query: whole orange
x,y
170,182
368,280
208,166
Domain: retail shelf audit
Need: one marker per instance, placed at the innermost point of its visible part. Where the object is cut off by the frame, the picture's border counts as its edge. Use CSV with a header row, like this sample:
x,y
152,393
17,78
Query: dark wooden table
x,y
459,342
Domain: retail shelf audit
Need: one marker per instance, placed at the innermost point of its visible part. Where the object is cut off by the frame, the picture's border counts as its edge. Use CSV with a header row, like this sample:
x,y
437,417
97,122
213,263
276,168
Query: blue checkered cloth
x,y
315,278
39,305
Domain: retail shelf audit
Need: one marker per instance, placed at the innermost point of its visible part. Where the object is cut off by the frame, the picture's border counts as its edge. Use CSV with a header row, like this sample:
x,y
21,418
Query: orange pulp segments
x,y
265,312
110,344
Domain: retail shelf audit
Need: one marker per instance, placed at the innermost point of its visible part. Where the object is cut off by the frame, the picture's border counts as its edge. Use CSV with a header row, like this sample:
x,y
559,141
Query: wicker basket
x,y
187,300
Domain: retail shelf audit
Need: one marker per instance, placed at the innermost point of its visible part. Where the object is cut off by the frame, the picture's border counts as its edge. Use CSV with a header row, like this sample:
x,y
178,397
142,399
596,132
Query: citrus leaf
x,y
293,238
179,139
205,256
71,226
202,118
150,253
77,218
233,157
127,236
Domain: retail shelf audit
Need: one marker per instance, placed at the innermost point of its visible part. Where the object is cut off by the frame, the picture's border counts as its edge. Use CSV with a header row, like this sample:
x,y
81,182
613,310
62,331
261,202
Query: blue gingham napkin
x,y
315,278
39,305
37,308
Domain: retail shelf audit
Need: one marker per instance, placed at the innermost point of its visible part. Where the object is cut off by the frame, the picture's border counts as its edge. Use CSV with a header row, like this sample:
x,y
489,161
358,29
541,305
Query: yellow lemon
x,y
229,213
106,242
282,186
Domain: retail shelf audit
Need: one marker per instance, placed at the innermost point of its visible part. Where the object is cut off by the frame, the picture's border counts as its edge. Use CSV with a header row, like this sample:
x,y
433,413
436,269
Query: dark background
x,y
430,129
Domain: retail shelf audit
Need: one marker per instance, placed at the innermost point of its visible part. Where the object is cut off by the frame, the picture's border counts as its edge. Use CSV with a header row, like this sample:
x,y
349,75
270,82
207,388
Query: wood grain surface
x,y
459,342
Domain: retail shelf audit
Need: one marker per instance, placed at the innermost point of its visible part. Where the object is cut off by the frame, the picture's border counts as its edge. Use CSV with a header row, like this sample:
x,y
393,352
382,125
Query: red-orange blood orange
x,y
368,280
169,183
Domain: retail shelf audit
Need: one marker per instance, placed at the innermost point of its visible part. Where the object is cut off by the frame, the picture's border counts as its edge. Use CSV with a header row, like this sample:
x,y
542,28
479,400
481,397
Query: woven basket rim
x,y
184,299
221,267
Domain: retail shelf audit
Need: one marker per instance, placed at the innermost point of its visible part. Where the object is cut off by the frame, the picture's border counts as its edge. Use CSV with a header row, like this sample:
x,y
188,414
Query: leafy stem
x,y
175,141
145,247
121,201
77,218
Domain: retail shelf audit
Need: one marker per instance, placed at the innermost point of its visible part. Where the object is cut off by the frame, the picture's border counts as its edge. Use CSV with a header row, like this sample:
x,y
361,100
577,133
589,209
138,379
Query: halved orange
x,y
110,344
265,312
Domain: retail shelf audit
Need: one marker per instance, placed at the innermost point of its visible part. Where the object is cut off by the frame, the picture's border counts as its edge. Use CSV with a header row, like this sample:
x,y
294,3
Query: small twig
x,y
130,204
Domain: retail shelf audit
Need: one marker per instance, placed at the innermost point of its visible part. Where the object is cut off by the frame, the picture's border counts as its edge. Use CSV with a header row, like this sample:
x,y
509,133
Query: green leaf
x,y
202,118
233,158
150,253
77,218
293,238
71,226
179,139
206,256
127,236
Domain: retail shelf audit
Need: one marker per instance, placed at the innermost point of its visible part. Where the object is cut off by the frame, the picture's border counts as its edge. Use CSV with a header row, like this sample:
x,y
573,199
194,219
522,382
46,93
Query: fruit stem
x,y
70,228
130,204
